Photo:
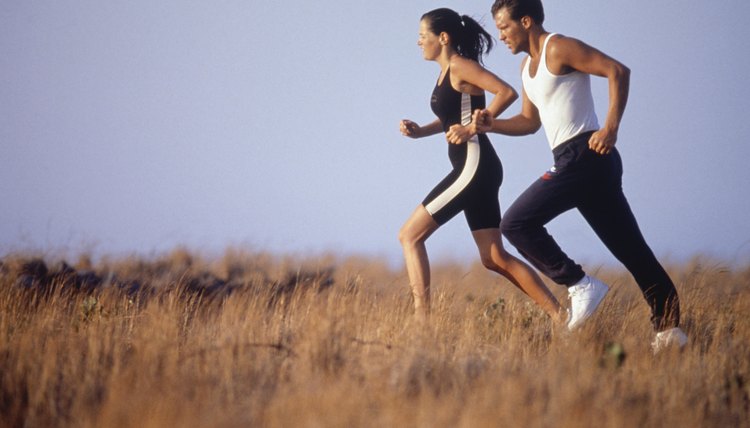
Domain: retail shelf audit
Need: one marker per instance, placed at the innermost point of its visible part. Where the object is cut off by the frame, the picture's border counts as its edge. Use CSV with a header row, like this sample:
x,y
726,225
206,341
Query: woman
x,y
456,43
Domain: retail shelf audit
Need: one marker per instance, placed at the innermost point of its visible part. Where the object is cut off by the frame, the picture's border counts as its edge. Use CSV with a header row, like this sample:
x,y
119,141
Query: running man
x,y
587,172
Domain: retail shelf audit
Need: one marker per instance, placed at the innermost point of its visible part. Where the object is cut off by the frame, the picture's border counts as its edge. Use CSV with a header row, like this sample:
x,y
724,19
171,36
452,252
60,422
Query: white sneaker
x,y
669,338
585,297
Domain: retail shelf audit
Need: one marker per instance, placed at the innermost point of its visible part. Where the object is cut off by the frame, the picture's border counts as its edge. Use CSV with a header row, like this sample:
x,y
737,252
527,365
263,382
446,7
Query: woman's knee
x,y
403,235
488,262
408,236
496,261
417,228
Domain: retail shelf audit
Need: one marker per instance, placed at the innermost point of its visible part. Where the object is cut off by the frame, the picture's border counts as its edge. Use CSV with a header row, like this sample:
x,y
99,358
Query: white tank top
x,y
565,103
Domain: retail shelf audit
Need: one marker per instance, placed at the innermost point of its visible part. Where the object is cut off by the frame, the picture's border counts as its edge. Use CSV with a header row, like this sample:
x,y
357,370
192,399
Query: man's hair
x,y
517,9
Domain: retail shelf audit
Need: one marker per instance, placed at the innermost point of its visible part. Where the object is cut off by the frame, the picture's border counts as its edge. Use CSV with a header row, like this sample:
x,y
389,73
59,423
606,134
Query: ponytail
x,y
476,40
468,37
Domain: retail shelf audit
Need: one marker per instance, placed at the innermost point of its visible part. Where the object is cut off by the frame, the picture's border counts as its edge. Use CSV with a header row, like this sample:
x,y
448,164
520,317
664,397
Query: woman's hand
x,y
459,134
410,129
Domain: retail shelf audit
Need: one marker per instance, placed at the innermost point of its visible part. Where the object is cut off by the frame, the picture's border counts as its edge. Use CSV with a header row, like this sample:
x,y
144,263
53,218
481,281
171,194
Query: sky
x,y
138,127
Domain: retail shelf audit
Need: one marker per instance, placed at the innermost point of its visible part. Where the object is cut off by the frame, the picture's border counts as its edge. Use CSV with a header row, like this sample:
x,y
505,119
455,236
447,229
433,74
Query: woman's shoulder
x,y
460,61
465,73
460,65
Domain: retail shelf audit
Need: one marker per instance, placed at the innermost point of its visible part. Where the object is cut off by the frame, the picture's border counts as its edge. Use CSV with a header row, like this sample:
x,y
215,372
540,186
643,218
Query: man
x,y
587,174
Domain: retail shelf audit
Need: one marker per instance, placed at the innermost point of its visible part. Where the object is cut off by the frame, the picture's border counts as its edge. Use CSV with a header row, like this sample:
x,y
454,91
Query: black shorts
x,y
472,186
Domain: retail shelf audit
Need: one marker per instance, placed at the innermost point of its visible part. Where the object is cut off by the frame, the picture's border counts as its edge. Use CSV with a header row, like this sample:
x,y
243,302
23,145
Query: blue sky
x,y
136,127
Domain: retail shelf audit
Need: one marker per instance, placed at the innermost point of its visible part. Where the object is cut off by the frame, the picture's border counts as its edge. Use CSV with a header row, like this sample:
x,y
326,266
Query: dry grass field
x,y
249,339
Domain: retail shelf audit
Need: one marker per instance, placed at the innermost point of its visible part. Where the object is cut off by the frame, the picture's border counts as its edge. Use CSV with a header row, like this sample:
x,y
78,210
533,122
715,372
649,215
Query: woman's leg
x,y
413,235
495,258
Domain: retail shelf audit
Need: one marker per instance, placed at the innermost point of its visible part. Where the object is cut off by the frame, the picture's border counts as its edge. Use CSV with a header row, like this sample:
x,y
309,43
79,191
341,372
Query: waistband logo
x,y
550,174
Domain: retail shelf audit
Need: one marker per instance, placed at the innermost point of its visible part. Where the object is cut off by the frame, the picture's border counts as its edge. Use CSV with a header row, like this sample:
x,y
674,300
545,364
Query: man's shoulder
x,y
557,41
563,49
560,42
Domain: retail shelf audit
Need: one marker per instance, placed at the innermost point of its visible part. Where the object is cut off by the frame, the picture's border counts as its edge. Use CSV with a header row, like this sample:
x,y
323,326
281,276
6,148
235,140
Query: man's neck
x,y
537,35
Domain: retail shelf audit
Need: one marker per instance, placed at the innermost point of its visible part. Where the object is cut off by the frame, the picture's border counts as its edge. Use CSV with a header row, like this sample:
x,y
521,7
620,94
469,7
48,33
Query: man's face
x,y
511,32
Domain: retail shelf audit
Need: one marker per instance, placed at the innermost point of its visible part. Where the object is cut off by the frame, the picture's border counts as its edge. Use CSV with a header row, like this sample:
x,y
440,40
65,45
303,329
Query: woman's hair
x,y
517,9
468,38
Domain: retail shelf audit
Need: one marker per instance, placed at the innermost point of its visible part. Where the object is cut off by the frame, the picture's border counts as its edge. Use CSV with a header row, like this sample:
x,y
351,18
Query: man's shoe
x,y
585,297
674,337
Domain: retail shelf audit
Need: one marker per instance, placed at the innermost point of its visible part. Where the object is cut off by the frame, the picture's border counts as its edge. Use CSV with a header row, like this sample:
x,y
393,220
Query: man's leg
x,y
523,226
609,214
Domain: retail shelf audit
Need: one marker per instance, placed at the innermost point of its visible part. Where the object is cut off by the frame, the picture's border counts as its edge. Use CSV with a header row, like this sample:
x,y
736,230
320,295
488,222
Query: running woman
x,y
456,43
587,173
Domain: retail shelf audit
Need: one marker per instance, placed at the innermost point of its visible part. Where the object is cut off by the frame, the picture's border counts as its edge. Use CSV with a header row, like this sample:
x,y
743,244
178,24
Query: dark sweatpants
x,y
592,183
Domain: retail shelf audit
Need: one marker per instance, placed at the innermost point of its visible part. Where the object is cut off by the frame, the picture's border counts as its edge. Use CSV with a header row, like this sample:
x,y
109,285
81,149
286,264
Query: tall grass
x,y
249,339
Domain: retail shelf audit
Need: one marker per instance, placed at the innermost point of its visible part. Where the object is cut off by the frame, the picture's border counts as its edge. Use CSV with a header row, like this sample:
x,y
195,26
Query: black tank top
x,y
446,102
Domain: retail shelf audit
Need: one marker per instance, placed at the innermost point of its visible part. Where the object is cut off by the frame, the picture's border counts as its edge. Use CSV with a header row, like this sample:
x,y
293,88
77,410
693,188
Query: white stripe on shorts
x,y
470,167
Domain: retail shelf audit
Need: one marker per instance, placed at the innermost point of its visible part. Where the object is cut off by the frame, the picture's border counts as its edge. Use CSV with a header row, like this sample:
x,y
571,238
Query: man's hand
x,y
482,121
603,141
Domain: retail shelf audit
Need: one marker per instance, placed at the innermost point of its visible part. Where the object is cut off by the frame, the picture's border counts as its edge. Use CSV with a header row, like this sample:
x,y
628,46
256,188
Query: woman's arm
x,y
472,78
413,130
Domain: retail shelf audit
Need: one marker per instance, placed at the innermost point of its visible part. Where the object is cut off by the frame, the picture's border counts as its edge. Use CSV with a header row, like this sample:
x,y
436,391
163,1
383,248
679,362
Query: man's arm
x,y
565,54
525,123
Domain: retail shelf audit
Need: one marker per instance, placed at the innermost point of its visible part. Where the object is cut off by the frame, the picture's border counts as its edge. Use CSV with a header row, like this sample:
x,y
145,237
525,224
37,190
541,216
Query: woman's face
x,y
428,41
